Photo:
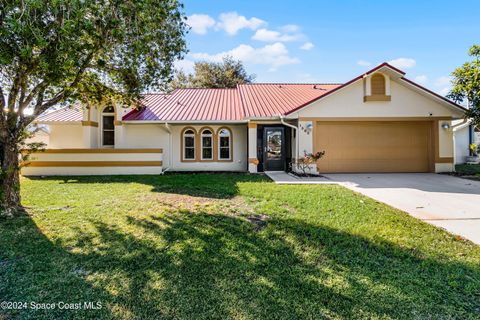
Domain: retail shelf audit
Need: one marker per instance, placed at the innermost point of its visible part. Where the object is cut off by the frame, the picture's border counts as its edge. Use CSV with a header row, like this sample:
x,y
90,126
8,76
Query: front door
x,y
274,149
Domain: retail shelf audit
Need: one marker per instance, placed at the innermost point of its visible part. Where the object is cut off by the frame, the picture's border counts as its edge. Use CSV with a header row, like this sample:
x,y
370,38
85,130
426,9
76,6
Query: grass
x,y
468,169
228,246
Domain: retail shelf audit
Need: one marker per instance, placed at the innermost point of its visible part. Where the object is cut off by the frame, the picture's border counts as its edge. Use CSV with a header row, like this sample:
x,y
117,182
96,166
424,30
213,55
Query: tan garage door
x,y
377,146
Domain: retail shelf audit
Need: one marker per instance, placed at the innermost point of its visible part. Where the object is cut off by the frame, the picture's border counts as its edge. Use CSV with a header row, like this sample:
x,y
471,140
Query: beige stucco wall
x,y
348,102
405,103
86,170
39,137
135,136
240,158
66,136
445,137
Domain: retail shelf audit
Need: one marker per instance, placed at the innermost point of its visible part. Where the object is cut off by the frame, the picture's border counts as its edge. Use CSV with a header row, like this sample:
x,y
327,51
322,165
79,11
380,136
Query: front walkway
x,y
444,201
281,177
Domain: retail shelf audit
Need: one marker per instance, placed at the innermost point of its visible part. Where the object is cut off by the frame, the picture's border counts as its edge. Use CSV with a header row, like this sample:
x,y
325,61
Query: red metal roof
x,y
67,114
245,101
268,99
190,105
258,100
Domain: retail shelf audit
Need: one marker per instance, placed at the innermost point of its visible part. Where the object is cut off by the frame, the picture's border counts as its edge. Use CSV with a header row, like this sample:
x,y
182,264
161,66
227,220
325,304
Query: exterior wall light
x,y
445,126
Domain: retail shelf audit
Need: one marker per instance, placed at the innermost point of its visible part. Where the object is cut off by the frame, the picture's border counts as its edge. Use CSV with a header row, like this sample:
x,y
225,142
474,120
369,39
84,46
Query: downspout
x,y
470,134
460,124
282,120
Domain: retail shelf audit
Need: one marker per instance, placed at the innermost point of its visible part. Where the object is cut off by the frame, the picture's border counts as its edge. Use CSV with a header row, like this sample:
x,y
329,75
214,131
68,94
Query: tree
x,y
58,51
225,74
466,85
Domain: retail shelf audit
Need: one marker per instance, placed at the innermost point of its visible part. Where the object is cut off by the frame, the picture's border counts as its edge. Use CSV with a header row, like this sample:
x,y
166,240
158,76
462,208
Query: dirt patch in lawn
x,y
186,204
236,206
258,220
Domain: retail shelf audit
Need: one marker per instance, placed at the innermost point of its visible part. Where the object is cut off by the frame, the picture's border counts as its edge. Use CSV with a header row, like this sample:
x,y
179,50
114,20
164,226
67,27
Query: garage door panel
x,y
373,166
374,146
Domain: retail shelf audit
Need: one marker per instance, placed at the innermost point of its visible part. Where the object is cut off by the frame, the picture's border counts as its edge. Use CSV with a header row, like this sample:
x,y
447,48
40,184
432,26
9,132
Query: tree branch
x,y
26,120
2,100
62,94
12,95
31,96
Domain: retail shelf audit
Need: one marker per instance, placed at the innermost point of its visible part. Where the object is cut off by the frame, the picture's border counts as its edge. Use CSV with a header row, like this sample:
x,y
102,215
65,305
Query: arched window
x,y
224,144
207,144
189,144
108,126
378,84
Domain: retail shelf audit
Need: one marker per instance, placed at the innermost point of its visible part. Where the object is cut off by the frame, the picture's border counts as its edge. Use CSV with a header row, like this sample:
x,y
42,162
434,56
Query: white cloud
x,y
443,81
185,65
232,22
421,79
290,28
306,78
307,46
200,23
274,36
403,63
273,55
364,63
444,91
443,85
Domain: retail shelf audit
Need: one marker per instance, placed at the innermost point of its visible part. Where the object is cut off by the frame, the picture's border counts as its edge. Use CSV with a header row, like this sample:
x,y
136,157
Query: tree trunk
x,y
10,176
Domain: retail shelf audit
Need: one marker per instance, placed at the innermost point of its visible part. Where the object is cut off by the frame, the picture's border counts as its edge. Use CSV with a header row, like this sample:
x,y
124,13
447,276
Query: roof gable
x,y
391,69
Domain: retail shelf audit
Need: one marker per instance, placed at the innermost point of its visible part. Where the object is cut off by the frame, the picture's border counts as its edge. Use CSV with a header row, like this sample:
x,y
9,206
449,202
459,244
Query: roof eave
x,y
438,97
184,121
56,122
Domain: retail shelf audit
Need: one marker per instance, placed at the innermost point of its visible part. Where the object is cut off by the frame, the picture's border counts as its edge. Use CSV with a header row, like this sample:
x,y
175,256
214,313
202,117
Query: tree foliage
x,y
226,74
53,51
466,85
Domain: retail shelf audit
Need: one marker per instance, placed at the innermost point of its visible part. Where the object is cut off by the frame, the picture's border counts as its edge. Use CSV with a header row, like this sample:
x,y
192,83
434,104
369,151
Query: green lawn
x,y
228,246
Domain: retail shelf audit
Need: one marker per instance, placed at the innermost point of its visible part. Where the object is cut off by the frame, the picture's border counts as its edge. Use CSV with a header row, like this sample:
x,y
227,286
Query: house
x,y
464,134
377,122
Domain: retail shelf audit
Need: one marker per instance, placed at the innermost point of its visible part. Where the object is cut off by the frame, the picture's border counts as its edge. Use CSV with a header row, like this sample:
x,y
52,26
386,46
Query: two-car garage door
x,y
374,146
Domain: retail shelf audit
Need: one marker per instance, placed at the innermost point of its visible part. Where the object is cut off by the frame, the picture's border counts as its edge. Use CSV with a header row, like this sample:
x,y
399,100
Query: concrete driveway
x,y
444,201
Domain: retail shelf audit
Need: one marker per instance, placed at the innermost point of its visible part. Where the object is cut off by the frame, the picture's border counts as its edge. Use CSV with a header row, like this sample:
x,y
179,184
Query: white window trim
x,y
229,145
202,135
186,135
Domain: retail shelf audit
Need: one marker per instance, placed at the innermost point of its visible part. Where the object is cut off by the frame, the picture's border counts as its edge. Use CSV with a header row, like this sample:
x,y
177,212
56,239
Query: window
x,y
378,84
207,145
189,144
224,144
108,126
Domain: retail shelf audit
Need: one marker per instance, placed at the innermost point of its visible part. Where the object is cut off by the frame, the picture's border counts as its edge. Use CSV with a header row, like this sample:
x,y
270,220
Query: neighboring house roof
x,y
67,114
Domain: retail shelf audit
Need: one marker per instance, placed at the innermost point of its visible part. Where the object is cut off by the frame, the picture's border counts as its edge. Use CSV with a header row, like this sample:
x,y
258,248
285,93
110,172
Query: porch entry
x,y
274,149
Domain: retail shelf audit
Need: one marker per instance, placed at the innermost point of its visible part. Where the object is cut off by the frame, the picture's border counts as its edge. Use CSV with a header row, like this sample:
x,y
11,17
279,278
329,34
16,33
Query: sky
x,y
310,41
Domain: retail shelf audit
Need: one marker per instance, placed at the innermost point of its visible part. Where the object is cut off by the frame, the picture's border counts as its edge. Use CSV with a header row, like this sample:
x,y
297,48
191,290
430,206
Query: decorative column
x,y
252,148
90,128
